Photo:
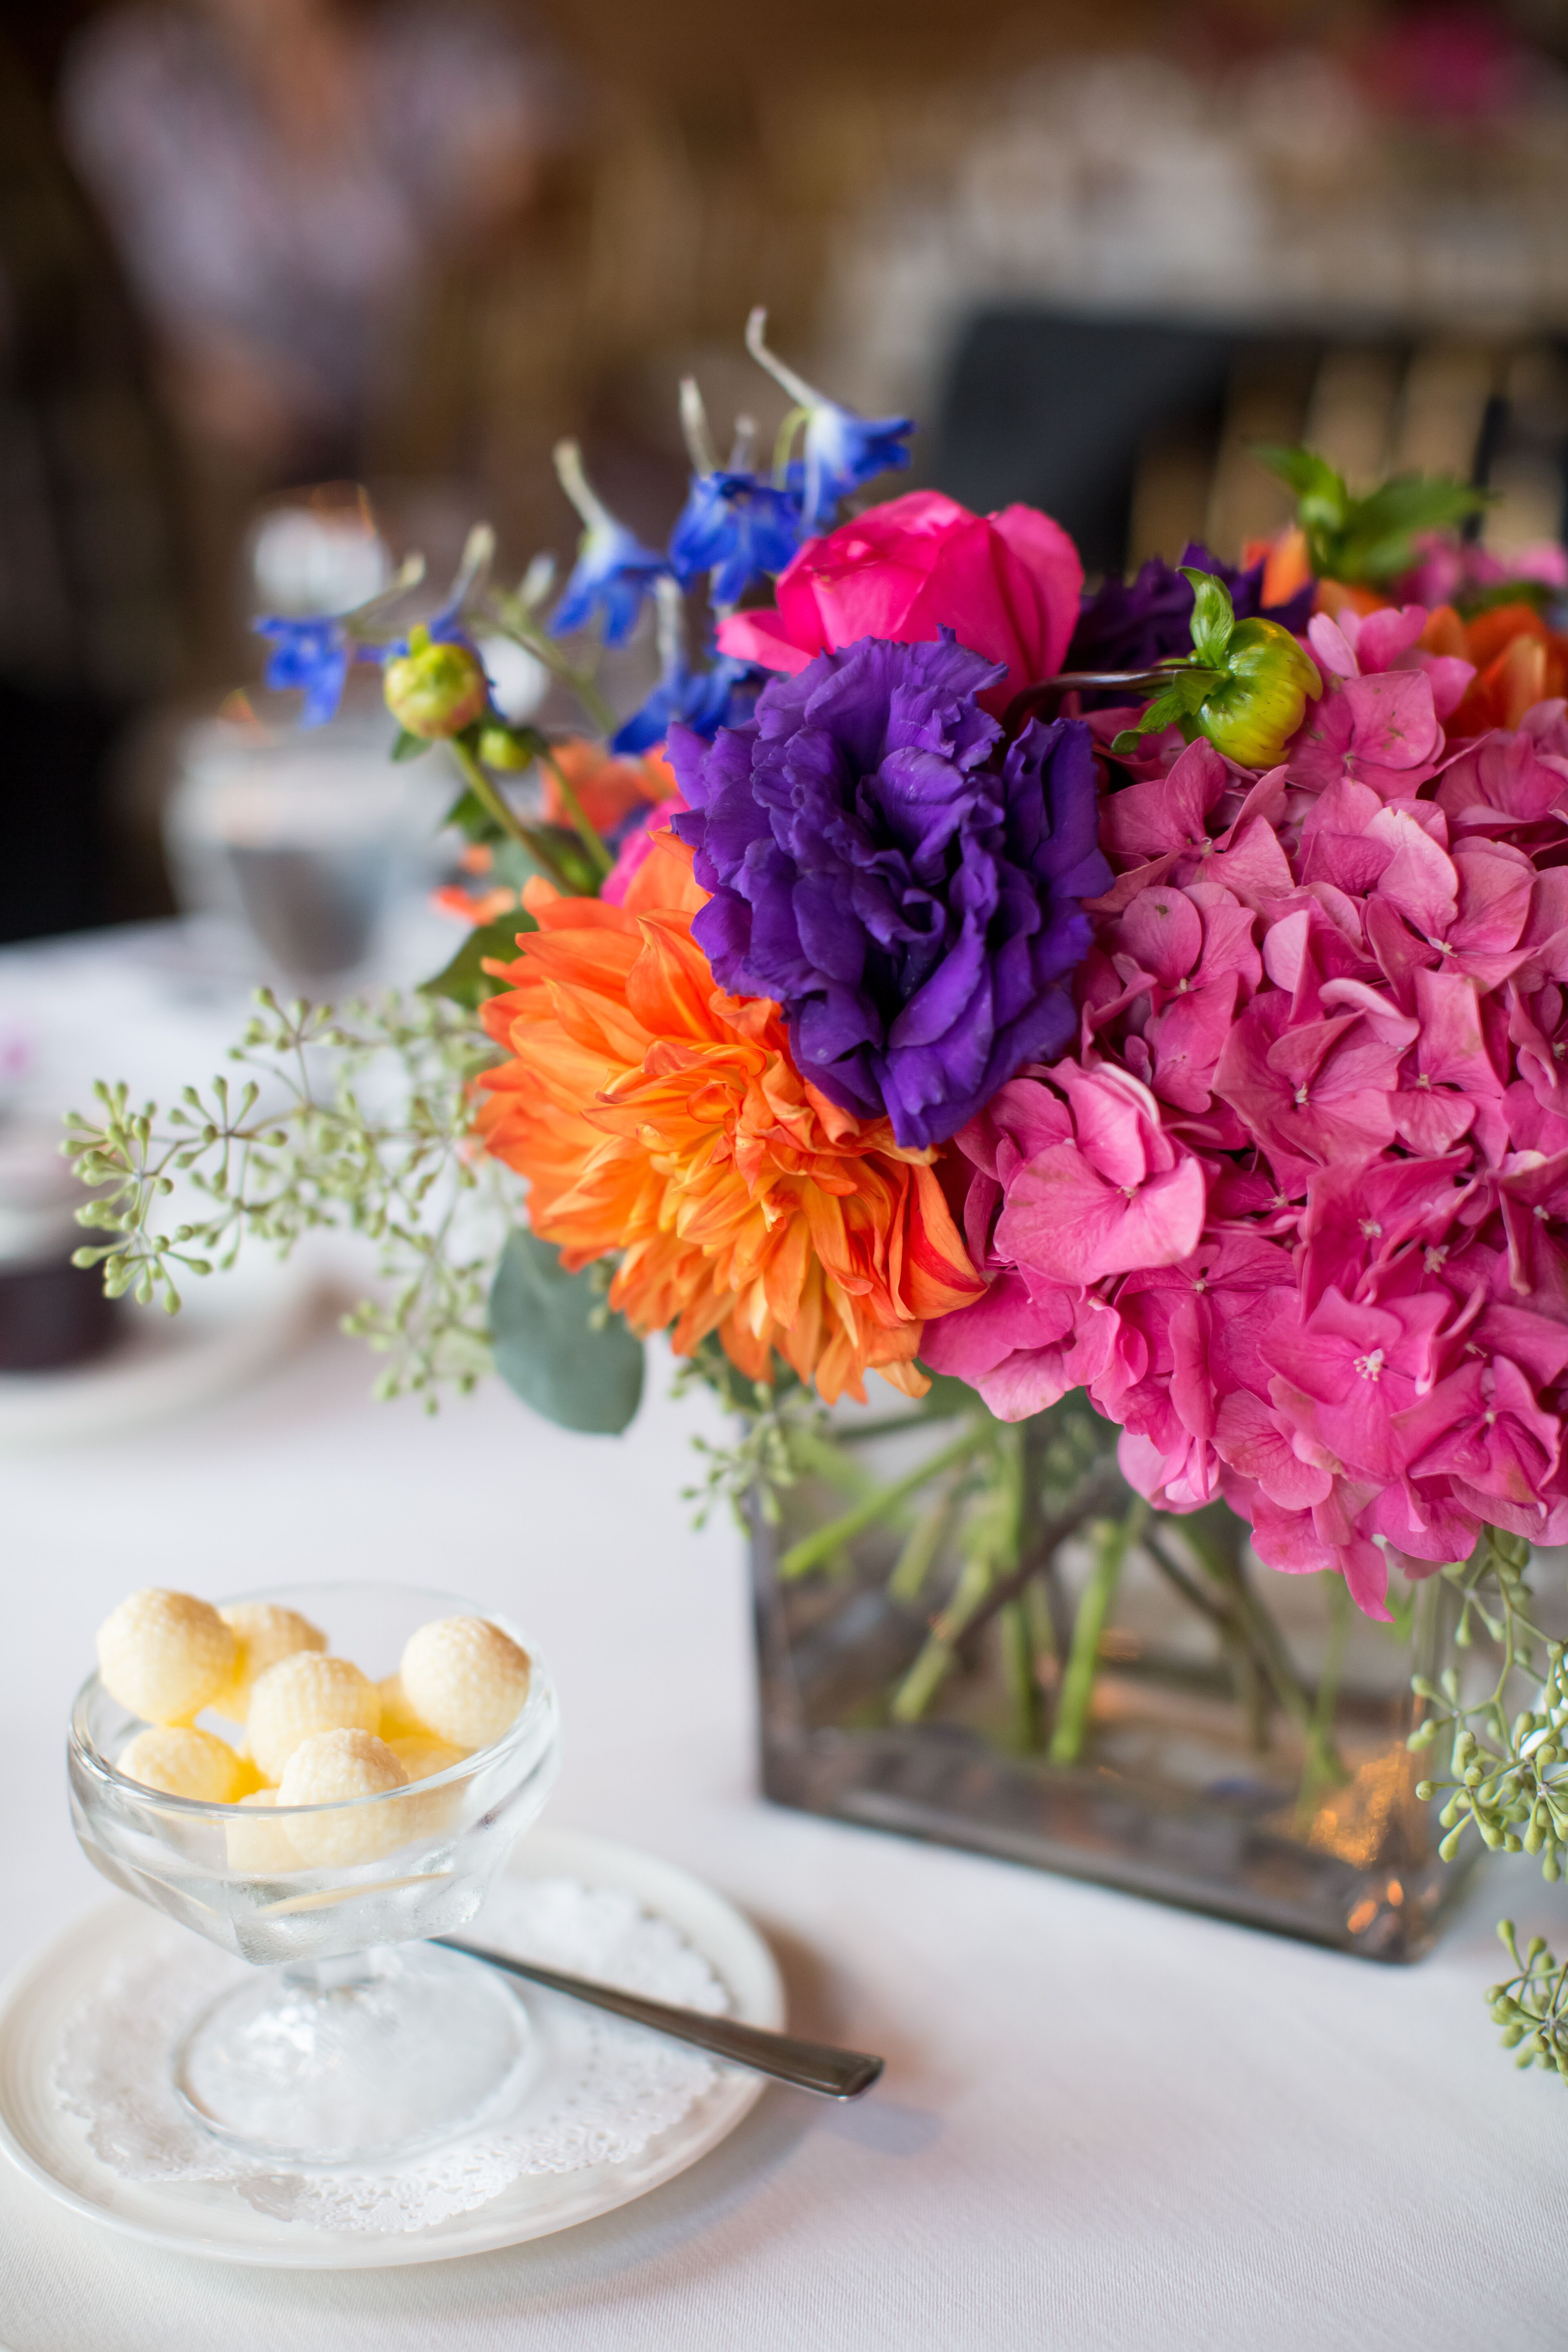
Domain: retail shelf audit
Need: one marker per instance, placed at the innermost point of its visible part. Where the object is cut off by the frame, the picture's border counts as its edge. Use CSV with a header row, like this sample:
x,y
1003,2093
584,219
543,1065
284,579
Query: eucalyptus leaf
x,y
555,1346
464,980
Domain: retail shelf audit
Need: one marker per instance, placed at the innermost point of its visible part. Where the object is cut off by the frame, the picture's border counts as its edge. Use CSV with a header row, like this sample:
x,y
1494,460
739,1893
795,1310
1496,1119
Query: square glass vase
x,y
1149,1709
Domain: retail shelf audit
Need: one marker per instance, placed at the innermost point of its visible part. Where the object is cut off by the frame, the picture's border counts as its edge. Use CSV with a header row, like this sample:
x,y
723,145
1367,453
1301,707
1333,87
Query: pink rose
x,y
1007,584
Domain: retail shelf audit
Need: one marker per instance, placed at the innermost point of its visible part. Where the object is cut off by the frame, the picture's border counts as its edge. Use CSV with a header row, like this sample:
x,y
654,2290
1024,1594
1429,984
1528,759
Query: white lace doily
x,y
605,2089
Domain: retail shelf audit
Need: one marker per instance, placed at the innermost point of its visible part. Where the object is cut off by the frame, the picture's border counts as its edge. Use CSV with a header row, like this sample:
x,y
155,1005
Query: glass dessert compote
x,y
356,2039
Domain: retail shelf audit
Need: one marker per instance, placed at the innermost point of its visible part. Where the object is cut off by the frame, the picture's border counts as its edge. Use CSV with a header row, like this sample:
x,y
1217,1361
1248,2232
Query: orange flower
x,y
1519,662
657,1117
608,788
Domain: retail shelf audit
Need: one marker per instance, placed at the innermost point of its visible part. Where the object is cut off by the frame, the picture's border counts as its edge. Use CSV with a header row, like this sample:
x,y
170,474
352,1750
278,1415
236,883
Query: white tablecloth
x,y
1103,2124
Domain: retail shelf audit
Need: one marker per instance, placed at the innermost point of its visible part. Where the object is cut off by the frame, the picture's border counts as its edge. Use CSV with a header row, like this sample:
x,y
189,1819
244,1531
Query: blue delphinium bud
x,y
614,570
734,527
841,449
703,700
309,656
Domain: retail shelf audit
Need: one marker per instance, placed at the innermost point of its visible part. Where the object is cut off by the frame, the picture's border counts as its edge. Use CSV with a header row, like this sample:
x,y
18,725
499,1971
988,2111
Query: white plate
x,y
204,2218
163,1367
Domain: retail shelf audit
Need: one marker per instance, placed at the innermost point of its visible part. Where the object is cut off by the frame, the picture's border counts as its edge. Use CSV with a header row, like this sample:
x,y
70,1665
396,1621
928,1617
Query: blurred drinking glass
x,y
305,837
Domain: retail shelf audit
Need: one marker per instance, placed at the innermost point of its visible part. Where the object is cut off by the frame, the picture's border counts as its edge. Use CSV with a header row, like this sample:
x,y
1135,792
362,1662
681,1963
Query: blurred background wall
x,y
250,245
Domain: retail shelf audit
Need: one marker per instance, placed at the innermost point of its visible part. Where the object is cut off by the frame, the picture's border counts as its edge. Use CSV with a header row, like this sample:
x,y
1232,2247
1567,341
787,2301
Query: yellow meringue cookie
x,y
181,1762
331,1769
266,1633
304,1695
422,1755
260,1848
398,1720
466,1679
166,1655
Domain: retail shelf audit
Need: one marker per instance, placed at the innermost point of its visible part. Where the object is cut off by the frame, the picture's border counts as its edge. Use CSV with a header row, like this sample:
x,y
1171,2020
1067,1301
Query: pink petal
x,y
1420,879
1163,932
1063,1220
1335,650
1386,634
1145,819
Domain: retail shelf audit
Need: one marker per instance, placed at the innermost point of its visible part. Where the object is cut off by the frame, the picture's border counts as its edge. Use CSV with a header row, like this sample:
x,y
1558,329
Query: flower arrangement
x,y
1152,996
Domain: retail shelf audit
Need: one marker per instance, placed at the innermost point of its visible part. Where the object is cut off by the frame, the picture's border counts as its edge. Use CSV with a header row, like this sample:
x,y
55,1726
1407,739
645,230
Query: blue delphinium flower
x,y
310,656
703,700
904,882
313,653
733,527
841,451
614,570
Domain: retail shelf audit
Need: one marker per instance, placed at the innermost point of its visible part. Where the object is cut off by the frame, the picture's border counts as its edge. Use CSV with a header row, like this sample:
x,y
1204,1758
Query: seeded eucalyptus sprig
x,y
1532,2006
1509,1771
357,1120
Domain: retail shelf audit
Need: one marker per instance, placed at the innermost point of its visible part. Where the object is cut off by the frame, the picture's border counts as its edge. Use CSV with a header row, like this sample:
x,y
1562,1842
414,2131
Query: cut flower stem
x,y
1115,1539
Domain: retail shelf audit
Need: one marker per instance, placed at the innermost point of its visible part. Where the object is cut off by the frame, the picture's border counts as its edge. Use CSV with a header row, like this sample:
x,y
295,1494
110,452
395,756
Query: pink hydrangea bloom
x,y
1295,1212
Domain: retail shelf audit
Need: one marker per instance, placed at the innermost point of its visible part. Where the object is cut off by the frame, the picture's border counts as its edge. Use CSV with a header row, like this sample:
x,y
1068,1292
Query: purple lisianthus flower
x,y
1134,624
901,881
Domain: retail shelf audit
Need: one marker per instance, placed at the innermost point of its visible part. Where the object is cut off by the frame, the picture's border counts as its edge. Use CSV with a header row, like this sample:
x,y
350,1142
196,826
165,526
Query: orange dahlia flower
x,y
657,1117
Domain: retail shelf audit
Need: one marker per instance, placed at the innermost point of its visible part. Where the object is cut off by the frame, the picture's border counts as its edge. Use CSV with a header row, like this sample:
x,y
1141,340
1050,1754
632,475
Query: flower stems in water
x,y
822,1542
1115,1539
918,1687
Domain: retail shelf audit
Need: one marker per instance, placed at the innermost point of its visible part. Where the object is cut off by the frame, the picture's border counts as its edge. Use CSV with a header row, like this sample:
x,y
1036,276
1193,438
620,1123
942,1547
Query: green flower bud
x,y
1256,707
505,749
435,691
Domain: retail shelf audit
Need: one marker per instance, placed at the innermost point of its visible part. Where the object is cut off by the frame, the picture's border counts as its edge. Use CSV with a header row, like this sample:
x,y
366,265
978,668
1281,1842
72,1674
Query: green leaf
x,y
1214,616
550,1348
470,817
1368,540
409,747
465,980
1303,471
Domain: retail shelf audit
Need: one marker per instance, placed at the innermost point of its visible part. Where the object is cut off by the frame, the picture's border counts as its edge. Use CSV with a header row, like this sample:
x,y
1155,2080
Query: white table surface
x,y
1103,2124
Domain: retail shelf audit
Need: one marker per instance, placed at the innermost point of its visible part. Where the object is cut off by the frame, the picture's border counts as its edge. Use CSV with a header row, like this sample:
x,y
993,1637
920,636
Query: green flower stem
x,y
785,442
1018,1668
1116,1539
820,1545
1224,1566
920,1684
1249,1669
495,806
587,834
811,1450
1091,1499
1323,1766
922,1545
512,617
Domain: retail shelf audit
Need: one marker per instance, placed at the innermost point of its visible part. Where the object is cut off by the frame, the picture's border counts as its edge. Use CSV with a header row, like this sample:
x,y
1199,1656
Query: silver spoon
x,y
808,2065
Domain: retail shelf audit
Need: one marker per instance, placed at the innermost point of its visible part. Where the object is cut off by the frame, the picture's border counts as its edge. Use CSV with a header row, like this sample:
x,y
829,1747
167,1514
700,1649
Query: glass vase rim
x,y
540,1703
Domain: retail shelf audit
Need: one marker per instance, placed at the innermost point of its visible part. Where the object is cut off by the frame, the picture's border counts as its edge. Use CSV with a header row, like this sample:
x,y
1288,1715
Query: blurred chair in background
x,y
1136,434
90,609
